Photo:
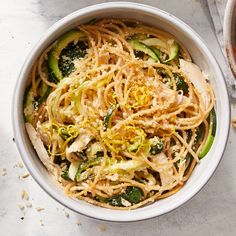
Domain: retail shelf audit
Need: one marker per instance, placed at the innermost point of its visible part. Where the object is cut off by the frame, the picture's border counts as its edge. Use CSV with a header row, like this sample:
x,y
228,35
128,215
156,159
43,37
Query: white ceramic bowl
x,y
201,56
230,33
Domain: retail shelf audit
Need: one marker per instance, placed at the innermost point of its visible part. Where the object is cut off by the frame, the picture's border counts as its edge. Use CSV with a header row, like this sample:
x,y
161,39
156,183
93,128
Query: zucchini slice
x,y
211,135
173,49
85,165
173,52
107,119
73,169
56,50
156,51
137,45
46,93
154,42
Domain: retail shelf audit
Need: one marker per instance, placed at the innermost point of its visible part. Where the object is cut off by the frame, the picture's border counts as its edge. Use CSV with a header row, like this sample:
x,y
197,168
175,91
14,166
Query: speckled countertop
x,y
212,211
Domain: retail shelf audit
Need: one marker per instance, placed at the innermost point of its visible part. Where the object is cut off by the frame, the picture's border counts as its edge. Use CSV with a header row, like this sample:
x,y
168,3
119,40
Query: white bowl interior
x,y
200,55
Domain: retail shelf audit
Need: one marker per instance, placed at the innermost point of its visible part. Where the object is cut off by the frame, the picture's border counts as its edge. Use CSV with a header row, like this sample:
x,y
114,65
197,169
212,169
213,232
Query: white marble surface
x,y
212,211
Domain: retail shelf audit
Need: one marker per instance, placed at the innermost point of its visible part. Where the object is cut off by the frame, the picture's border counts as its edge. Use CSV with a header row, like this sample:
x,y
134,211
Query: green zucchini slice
x,y
136,45
55,52
211,135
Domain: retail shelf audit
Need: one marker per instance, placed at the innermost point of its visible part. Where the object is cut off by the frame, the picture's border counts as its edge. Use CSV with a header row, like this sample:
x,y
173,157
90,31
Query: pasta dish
x,y
118,113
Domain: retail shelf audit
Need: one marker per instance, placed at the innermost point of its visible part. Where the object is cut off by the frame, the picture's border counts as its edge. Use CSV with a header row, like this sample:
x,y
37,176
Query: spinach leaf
x,y
69,53
181,84
132,194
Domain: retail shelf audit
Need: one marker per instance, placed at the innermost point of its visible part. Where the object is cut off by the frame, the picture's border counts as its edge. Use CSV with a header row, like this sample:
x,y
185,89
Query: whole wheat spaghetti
x,y
118,113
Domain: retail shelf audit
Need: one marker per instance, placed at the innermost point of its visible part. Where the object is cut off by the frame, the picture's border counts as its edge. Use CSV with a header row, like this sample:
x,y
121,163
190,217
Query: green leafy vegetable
x,y
132,195
85,165
69,53
65,175
115,201
57,69
181,84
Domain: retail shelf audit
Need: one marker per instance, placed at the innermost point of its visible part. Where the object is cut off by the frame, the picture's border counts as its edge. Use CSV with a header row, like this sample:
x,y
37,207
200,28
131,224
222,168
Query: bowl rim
x,y
17,122
227,30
